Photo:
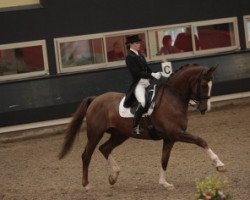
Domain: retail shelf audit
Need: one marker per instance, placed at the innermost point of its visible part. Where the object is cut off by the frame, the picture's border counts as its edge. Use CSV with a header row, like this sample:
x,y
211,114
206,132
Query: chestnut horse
x,y
190,82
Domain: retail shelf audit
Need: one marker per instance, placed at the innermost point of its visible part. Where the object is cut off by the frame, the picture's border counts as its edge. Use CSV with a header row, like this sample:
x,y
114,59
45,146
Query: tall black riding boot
x,y
137,118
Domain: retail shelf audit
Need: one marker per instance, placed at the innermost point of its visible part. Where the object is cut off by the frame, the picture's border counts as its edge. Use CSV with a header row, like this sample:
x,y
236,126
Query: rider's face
x,y
136,46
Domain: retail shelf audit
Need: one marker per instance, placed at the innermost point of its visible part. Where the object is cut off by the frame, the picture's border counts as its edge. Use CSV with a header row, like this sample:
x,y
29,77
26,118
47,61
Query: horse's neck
x,y
171,101
180,87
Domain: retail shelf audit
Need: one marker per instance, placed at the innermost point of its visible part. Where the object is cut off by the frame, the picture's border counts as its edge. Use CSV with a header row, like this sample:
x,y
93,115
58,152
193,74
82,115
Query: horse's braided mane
x,y
181,68
164,81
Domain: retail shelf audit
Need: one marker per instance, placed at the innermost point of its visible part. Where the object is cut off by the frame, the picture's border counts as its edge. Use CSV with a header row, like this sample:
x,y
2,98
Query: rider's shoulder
x,y
131,54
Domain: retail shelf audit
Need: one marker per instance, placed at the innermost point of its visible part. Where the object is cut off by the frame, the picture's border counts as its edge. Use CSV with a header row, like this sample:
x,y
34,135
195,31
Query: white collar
x,y
136,52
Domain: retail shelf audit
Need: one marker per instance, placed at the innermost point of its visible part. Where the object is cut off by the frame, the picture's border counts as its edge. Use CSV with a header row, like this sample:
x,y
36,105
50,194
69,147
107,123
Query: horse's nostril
x,y
202,108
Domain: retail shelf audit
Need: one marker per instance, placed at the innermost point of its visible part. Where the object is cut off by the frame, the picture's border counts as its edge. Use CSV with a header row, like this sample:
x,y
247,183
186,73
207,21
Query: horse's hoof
x,y
112,180
87,188
221,168
168,186
113,177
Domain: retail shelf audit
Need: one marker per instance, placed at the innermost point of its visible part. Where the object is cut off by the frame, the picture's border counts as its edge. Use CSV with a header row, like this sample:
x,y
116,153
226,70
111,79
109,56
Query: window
x,y
193,39
170,41
115,48
76,53
109,49
247,30
217,35
83,53
21,60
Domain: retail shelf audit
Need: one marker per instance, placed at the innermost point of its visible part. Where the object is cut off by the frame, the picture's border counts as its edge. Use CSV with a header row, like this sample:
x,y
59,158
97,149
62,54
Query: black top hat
x,y
133,38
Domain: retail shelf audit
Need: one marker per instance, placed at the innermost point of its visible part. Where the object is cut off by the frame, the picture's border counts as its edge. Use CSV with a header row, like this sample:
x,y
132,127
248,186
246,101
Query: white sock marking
x,y
214,158
112,163
162,180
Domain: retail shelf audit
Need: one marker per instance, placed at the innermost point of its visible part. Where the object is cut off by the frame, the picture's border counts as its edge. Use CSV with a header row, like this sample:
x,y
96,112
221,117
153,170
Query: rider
x,y
141,74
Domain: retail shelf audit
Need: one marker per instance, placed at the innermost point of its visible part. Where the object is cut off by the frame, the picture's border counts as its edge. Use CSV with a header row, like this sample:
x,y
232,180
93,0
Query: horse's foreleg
x,y
106,149
166,150
189,138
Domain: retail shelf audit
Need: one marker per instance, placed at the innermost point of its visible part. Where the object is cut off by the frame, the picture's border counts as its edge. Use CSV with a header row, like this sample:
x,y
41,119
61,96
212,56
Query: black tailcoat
x,y
138,68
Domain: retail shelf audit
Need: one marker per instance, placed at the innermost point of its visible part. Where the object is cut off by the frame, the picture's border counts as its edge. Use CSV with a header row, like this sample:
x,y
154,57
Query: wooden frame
x,y
247,30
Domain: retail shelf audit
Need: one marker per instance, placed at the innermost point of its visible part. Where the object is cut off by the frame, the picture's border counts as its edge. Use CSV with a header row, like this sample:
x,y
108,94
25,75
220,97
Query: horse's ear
x,y
210,71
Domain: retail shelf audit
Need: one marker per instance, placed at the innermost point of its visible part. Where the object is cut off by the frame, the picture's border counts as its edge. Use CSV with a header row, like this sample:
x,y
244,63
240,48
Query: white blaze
x,y
209,93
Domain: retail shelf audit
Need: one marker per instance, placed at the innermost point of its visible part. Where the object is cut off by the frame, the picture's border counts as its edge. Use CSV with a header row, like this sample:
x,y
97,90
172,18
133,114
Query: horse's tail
x,y
75,126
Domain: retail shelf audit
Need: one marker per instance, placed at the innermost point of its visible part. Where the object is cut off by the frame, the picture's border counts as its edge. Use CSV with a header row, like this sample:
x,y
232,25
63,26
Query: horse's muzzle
x,y
203,112
202,108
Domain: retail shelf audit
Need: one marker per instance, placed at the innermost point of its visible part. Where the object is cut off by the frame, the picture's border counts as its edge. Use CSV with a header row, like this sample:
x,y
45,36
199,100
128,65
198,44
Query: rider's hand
x,y
156,75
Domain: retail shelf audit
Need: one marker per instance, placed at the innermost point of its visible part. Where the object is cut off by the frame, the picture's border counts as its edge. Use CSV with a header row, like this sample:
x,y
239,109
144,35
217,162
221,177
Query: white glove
x,y
156,75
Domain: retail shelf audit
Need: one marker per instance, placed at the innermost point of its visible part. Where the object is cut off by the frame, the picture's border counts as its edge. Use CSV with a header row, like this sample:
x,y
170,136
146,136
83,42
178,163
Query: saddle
x,y
150,103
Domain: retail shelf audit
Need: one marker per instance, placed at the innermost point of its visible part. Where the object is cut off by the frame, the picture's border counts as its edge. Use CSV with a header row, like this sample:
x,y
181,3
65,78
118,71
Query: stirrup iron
x,y
136,130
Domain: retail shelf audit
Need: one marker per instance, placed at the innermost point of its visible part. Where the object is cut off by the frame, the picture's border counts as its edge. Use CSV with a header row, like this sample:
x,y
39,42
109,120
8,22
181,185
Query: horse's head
x,y
201,90
192,82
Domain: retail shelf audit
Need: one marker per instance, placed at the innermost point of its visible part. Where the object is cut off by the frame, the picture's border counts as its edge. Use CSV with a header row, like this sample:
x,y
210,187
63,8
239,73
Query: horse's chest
x,y
178,122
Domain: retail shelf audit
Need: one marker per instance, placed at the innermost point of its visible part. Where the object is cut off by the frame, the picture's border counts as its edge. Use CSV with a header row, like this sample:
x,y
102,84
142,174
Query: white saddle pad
x,y
125,112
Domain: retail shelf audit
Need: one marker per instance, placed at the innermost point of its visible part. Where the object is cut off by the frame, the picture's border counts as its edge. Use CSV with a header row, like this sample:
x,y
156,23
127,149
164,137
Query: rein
x,y
157,104
158,86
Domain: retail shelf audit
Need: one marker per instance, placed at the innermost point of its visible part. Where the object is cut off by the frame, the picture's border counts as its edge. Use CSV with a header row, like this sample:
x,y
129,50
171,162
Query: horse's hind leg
x,y
115,140
93,140
189,138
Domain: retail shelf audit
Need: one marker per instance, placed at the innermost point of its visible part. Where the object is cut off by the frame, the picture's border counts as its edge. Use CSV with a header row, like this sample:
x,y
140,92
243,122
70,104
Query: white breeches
x,y
140,91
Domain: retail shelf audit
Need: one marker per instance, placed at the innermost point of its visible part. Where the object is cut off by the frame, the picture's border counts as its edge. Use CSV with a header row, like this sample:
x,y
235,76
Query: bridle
x,y
198,96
